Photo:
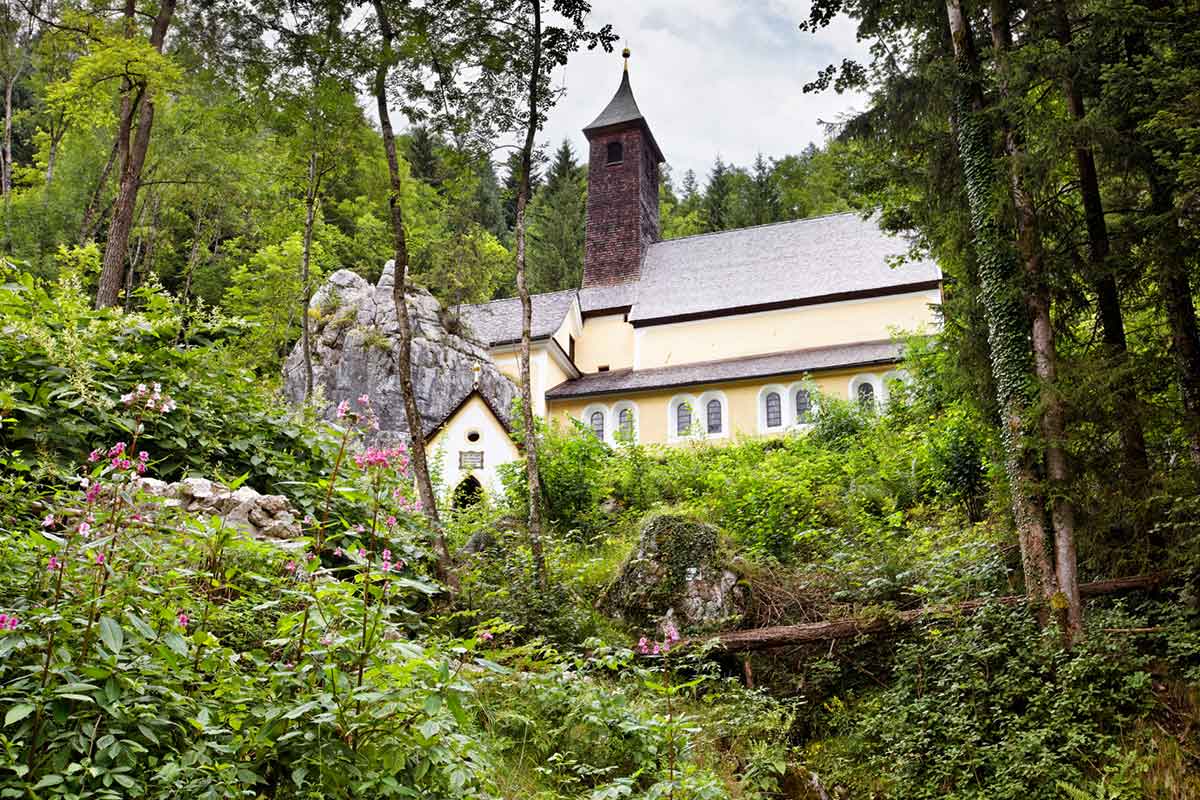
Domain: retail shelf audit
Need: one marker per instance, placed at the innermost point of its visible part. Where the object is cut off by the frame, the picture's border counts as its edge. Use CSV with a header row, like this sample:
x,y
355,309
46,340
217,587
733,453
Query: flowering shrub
x,y
117,678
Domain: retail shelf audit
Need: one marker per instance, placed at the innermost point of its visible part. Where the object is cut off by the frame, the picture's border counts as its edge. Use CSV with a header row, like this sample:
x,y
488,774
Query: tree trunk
x,y
1045,355
113,265
193,255
6,172
833,630
412,414
305,288
1176,288
532,477
56,136
1108,303
91,214
1007,316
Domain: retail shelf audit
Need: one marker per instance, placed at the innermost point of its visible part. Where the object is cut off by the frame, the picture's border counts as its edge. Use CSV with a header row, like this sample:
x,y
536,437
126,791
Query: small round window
x,y
473,436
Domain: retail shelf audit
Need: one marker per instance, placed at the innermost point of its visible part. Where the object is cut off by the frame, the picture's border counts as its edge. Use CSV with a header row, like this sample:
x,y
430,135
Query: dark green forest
x,y
984,588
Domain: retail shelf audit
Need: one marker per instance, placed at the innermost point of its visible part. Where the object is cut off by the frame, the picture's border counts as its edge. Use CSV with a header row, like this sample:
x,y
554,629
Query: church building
x,y
705,337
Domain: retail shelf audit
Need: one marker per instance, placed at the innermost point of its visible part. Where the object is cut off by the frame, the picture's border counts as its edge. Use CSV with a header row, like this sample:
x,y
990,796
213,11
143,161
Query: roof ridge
x,y
756,227
518,297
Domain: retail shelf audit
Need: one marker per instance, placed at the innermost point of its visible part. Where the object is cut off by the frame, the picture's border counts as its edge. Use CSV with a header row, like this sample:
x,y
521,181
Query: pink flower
x,y
362,553
309,556
391,522
143,456
183,620
656,650
53,564
127,398
48,522
672,634
643,645
3,620
387,555
12,623
168,406
116,450
359,528
100,559
94,456
93,492
339,552
485,636
327,639
290,567
135,517
84,528
343,409
364,400
387,565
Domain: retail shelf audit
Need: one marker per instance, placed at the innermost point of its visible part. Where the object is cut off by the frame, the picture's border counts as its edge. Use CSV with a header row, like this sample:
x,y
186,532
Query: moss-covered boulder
x,y
676,573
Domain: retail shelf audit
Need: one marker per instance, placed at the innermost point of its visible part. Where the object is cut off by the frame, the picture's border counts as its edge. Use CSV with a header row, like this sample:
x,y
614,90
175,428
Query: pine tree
x,y
489,208
763,202
557,220
512,183
718,197
423,158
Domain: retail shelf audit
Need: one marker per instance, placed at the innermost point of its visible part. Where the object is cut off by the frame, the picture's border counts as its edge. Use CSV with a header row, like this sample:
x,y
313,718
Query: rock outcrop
x,y
676,575
355,338
267,516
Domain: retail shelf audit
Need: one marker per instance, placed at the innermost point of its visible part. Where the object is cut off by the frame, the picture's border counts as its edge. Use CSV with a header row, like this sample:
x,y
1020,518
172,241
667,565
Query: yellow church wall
x,y
768,331
544,372
452,438
606,340
742,402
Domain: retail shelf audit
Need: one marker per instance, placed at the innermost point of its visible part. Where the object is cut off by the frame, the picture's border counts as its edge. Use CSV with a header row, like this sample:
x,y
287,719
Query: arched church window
x,y
866,395
597,423
683,419
803,405
625,423
616,153
714,416
774,410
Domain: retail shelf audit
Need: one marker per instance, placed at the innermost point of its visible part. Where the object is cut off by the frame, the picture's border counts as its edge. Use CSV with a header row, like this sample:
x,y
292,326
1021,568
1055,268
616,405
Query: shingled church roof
x,y
793,362
821,259
499,322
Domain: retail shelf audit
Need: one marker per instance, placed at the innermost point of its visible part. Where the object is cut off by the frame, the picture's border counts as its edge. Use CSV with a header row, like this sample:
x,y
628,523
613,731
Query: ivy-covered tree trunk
x,y
532,477
1175,285
134,148
1003,303
417,457
1045,354
1108,302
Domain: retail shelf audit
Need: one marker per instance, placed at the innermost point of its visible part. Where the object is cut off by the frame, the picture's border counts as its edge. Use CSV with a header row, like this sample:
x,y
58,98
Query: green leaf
x,y
17,713
111,634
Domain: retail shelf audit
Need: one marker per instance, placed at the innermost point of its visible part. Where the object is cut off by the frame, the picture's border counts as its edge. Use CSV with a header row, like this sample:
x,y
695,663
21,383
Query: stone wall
x,y
355,336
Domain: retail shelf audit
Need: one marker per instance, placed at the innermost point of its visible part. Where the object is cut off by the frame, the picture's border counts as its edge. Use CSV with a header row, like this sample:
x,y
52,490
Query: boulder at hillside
x,y
355,335
676,574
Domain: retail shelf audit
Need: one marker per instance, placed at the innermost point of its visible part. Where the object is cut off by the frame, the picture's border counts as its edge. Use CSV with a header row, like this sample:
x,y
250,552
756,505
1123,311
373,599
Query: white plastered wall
x,y
493,442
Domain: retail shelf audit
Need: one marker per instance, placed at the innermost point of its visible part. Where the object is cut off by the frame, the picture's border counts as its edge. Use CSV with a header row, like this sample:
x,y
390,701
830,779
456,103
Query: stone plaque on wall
x,y
470,459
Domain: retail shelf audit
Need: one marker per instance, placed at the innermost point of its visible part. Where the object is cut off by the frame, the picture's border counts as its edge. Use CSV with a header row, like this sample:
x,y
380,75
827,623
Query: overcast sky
x,y
711,77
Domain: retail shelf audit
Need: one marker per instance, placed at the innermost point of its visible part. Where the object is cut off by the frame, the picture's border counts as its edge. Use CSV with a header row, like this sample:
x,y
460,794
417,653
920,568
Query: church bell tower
x,y
622,200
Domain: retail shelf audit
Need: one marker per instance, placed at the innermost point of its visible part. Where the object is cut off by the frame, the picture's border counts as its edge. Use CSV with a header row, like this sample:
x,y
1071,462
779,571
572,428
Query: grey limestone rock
x,y
267,516
355,337
676,574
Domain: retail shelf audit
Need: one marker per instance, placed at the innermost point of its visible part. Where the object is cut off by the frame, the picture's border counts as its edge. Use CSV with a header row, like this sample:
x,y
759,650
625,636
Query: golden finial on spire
x,y
625,55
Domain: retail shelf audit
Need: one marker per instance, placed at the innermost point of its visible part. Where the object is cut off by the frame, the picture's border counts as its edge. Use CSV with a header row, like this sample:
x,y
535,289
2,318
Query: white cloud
x,y
711,76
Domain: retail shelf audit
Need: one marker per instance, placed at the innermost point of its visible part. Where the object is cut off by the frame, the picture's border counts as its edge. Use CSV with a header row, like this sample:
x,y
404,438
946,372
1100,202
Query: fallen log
x,y
789,635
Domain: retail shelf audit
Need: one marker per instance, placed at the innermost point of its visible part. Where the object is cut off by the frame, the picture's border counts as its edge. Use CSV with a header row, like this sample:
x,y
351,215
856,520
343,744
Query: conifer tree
x,y
718,197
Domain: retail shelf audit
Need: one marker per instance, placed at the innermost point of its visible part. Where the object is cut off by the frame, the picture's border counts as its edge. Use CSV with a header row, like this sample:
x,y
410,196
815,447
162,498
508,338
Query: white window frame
x,y
586,419
784,407
675,402
866,378
726,421
814,407
617,408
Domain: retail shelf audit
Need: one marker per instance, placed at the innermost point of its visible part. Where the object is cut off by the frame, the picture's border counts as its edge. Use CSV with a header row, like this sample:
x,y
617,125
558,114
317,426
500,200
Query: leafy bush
x,y
989,708
63,364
